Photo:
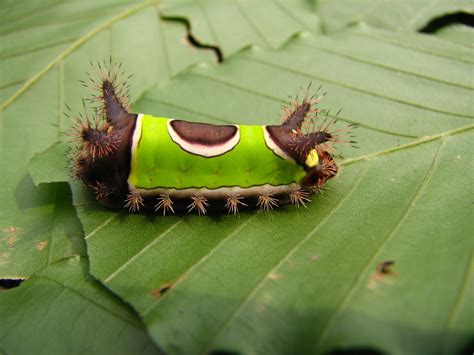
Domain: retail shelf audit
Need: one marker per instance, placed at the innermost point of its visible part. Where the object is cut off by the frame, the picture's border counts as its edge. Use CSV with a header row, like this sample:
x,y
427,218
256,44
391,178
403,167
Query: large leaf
x,y
310,280
45,48
399,15
62,310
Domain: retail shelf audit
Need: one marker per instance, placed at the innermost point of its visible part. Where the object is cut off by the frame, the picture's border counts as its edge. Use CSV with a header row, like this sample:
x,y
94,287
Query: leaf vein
x,y
83,39
378,38
457,305
107,221
76,292
386,67
422,140
200,261
143,250
291,15
161,102
353,88
287,256
252,25
273,98
357,281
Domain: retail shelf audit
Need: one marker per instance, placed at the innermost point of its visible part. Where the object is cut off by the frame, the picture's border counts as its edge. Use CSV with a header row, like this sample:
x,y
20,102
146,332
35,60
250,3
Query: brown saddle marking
x,y
203,133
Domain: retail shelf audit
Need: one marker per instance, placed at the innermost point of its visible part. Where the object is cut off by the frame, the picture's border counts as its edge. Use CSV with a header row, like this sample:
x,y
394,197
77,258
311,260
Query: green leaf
x,y
62,310
50,165
399,15
45,49
458,34
47,231
234,24
288,281
306,280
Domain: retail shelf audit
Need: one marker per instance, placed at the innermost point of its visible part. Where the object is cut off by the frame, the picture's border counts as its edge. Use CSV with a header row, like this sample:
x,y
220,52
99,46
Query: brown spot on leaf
x,y
158,292
9,230
11,234
383,269
315,258
41,245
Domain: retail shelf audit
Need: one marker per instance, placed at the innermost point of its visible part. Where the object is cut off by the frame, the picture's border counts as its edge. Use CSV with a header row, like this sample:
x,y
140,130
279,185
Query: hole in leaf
x,y
6,284
193,41
438,23
385,268
160,291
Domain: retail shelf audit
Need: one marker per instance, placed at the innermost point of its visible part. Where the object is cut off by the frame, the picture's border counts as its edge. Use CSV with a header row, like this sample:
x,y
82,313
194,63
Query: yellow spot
x,y
312,159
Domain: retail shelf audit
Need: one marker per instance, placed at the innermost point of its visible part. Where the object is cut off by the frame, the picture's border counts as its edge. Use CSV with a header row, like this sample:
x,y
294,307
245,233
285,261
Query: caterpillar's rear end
x,y
141,162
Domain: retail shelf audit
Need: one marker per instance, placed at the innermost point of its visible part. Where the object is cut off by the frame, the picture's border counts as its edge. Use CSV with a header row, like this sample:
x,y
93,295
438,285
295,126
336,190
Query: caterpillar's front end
x,y
142,162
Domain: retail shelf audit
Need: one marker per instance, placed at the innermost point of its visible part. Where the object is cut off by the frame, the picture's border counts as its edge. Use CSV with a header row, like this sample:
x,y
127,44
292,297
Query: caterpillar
x,y
143,162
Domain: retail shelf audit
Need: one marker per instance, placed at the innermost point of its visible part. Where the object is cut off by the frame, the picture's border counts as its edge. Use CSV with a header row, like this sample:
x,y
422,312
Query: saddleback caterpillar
x,y
143,162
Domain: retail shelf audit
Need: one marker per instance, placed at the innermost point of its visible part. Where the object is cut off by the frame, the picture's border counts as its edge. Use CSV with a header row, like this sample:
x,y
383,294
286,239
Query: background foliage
x,y
294,280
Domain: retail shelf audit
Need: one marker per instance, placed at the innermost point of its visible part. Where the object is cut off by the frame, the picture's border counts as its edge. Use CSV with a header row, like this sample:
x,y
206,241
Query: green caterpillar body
x,y
166,160
167,165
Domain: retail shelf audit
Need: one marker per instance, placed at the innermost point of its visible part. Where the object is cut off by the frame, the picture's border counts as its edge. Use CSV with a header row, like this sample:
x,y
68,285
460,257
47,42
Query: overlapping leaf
x,y
63,310
309,280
